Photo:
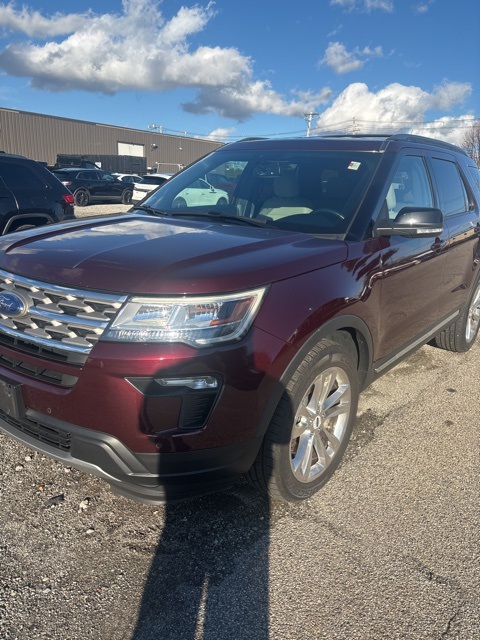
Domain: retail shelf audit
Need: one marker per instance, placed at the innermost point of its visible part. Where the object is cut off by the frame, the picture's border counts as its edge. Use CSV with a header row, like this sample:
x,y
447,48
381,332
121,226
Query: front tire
x,y
312,424
460,335
179,203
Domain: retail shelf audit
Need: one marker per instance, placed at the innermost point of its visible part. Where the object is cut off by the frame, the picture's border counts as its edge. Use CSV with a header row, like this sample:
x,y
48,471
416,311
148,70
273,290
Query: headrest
x,y
286,186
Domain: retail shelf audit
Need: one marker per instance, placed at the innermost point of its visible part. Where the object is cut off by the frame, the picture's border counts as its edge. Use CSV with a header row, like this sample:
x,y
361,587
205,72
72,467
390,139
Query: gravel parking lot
x,y
388,550
101,209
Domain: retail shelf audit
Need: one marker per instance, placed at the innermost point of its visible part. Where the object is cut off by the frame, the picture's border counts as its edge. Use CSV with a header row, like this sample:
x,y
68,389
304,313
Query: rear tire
x,y
81,198
127,197
312,424
461,334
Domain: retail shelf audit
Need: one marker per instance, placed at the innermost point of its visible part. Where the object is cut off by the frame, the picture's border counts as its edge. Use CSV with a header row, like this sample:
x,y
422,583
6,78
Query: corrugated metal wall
x,y
41,137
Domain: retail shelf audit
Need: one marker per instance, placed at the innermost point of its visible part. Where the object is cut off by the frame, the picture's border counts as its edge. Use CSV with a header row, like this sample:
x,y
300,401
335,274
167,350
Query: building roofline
x,y
101,124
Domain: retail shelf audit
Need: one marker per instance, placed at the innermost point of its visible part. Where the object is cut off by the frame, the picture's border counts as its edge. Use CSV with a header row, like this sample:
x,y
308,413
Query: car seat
x,y
286,200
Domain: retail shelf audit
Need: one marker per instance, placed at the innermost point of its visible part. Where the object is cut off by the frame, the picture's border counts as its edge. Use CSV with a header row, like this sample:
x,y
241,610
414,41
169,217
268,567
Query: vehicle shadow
x,y
209,577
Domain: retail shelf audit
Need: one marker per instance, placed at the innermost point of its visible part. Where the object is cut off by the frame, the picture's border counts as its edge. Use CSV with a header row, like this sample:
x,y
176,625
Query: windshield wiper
x,y
218,215
152,210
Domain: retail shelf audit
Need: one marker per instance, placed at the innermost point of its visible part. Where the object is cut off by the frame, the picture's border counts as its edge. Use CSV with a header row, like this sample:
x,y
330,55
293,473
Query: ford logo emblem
x,y
12,305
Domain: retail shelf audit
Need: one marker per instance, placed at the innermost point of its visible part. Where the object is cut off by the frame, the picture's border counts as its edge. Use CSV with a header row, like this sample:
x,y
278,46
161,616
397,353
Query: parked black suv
x,y
30,196
94,185
173,348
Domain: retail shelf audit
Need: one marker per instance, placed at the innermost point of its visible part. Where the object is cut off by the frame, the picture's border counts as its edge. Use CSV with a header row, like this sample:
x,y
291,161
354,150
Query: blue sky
x,y
254,67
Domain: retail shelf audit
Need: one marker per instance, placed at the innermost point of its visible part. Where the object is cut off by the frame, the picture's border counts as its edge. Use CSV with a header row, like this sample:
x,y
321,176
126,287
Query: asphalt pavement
x,y
388,550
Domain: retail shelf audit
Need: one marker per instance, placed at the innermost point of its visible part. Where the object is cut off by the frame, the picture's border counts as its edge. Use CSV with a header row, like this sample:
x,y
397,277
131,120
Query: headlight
x,y
200,321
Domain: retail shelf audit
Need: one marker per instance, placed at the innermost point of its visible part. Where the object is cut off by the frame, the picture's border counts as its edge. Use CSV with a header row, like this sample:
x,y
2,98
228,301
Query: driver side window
x,y
410,186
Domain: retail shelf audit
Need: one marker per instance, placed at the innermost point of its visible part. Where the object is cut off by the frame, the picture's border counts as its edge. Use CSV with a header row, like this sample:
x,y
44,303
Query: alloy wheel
x,y
320,424
473,319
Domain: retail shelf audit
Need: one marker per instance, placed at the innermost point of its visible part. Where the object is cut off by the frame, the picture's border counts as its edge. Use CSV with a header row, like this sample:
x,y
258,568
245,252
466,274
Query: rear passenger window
x,y
450,186
475,180
16,177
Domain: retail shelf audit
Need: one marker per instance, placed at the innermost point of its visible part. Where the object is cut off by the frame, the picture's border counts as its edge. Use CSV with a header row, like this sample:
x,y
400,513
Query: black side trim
x,y
390,361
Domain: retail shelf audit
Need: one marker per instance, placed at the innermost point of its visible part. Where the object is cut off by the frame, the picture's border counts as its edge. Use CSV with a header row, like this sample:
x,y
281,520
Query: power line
x,y
353,125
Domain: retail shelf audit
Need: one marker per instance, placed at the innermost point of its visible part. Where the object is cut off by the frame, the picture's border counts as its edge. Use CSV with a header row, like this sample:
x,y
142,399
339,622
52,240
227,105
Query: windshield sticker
x,y
354,165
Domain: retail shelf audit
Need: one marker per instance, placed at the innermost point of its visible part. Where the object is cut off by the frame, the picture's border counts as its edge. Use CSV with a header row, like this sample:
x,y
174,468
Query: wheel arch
x,y
361,338
33,219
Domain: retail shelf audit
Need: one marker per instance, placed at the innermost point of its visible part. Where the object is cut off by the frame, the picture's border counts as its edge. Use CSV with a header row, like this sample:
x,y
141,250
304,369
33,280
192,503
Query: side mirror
x,y
412,222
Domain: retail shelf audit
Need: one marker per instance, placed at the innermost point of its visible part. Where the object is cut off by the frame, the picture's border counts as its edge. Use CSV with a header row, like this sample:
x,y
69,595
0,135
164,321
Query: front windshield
x,y
313,191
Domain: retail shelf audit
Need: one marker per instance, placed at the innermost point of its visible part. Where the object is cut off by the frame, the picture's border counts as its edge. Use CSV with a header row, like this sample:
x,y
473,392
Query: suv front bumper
x,y
151,478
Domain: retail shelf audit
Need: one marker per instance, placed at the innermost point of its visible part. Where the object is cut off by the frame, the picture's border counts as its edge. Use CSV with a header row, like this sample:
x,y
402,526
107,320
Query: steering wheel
x,y
330,212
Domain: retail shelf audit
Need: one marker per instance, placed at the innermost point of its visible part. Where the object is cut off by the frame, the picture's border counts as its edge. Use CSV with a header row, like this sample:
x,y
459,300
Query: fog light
x,y
196,382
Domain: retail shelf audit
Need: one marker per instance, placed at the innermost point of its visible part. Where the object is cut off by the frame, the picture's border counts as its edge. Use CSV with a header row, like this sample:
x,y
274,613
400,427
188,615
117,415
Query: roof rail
x,y
356,135
405,137
409,137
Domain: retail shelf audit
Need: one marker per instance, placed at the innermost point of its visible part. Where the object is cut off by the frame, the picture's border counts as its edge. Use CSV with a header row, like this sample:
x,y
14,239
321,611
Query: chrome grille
x,y
58,319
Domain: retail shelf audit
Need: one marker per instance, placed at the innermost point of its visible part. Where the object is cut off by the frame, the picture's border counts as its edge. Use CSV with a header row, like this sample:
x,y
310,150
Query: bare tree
x,y
471,142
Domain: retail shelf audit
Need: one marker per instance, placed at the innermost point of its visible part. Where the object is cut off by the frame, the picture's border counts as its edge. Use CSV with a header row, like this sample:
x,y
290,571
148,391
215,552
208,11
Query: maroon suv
x,y
170,350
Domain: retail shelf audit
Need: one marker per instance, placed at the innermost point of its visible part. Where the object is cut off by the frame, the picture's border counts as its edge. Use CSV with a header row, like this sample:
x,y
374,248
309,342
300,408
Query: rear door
x,y
22,183
90,180
109,187
8,204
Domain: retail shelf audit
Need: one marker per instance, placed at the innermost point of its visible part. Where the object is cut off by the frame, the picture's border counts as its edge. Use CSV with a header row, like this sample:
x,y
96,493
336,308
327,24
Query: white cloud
x,y
423,7
396,107
240,101
135,50
342,61
222,133
365,5
335,31
448,94
447,128
33,24
348,4
384,5
138,49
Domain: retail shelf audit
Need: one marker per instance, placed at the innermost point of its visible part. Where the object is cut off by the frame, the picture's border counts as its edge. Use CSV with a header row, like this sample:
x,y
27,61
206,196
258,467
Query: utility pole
x,y
309,117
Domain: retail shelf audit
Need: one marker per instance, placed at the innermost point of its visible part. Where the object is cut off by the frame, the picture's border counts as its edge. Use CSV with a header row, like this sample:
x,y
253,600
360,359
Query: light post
x,y
309,117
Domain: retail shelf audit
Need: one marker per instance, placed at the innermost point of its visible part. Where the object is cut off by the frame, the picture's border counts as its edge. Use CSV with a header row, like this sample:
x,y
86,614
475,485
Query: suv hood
x,y
143,255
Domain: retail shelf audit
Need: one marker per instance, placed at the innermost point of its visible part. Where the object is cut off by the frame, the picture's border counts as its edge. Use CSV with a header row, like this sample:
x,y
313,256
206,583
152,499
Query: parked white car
x,y
148,183
200,193
127,177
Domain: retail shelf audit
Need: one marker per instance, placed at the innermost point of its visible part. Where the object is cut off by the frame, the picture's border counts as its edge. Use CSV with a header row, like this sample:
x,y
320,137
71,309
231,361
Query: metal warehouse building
x,y
42,137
